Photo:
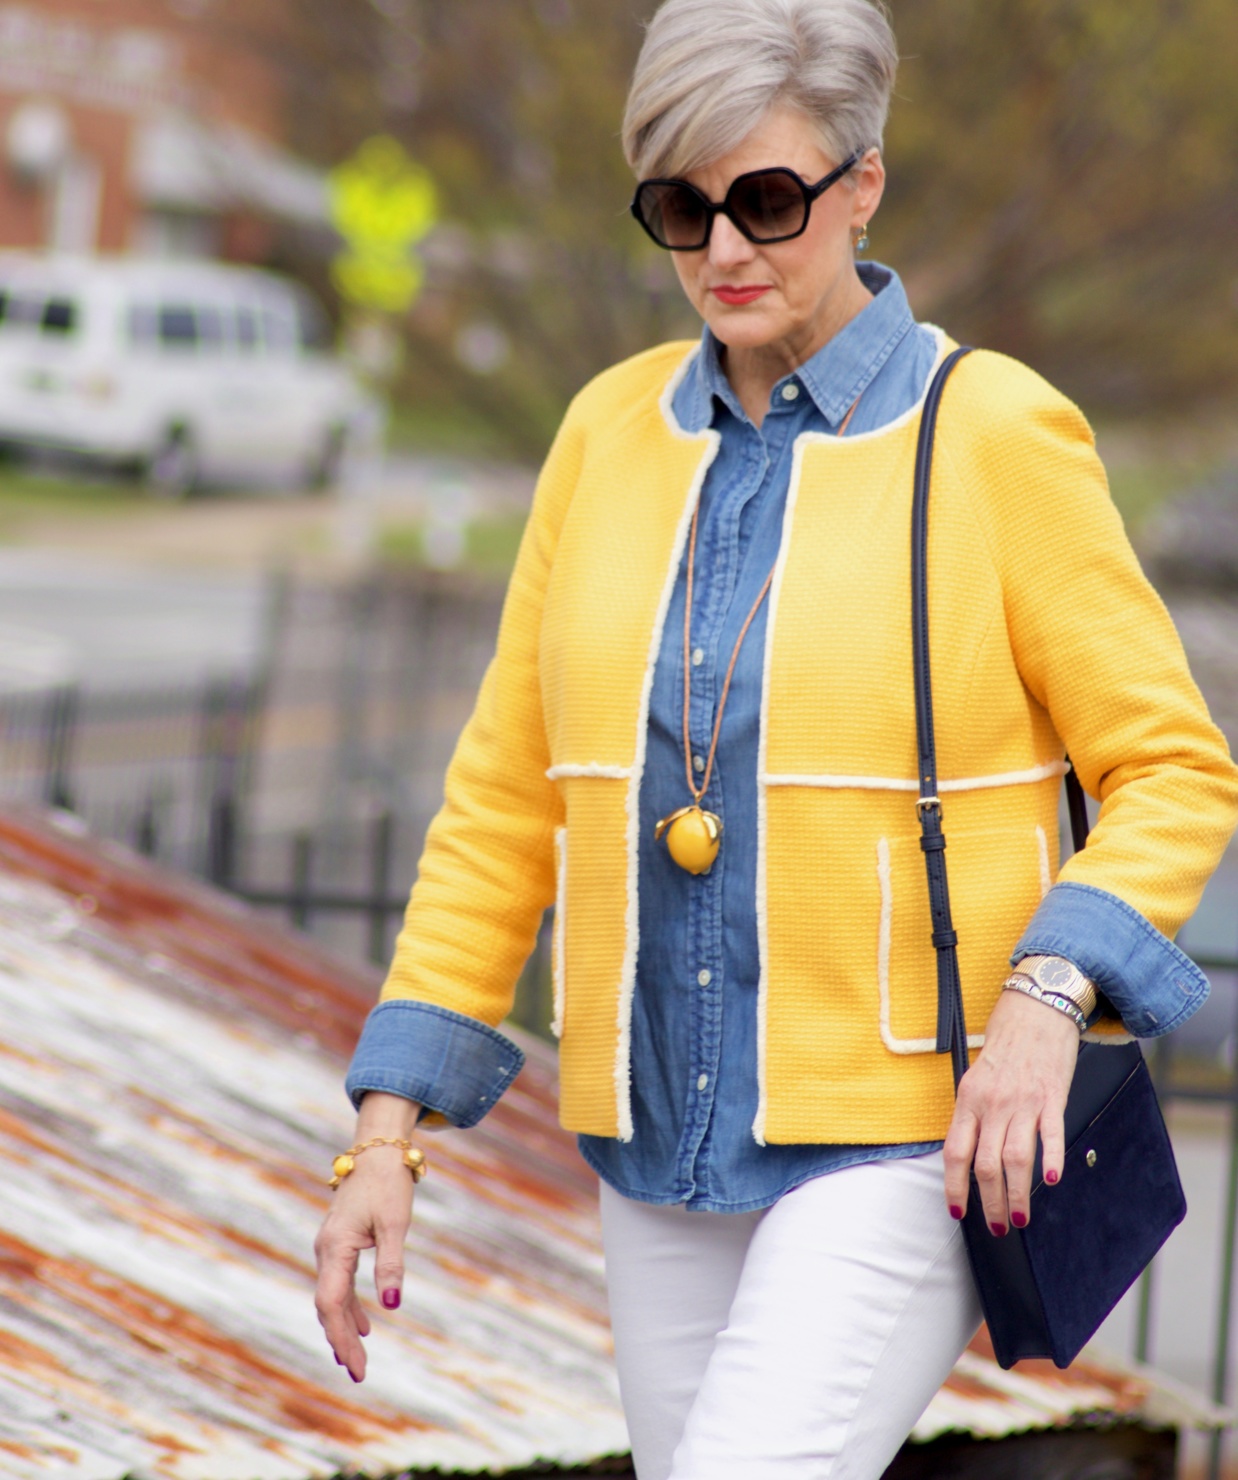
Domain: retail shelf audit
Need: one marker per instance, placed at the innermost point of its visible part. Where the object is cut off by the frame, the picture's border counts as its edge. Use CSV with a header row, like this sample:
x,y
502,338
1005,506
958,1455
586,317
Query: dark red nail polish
x,y
1050,1177
956,1212
1019,1220
391,1299
999,1230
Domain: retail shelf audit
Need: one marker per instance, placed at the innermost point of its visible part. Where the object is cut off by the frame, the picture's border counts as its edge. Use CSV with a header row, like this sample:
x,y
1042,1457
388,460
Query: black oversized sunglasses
x,y
765,205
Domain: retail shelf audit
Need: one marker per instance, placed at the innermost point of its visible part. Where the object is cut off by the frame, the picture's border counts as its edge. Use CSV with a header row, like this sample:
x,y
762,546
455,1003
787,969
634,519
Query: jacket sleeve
x,y
487,871
1096,647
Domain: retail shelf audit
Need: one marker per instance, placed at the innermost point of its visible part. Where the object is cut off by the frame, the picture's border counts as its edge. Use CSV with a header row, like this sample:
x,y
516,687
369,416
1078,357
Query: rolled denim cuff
x,y
1151,984
443,1060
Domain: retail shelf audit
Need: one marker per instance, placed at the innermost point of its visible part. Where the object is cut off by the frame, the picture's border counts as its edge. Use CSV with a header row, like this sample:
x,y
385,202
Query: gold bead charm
x,y
693,837
413,1157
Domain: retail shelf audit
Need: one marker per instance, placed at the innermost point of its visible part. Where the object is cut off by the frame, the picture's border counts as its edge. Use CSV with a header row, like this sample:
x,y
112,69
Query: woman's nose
x,y
727,244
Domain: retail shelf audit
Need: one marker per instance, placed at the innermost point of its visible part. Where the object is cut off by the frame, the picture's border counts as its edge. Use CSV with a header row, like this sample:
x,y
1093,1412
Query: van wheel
x,y
324,470
172,472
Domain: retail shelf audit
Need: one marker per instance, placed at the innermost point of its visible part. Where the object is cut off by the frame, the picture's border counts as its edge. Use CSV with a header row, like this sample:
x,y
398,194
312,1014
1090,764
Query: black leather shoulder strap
x,y
1076,805
951,1027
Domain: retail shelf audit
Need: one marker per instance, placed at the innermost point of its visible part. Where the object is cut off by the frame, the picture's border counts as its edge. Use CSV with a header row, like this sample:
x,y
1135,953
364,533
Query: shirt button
x,y
702,1081
698,657
698,762
704,977
790,392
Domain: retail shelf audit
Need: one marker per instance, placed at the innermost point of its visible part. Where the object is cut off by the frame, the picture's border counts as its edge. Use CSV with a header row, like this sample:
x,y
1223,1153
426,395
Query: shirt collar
x,y
834,377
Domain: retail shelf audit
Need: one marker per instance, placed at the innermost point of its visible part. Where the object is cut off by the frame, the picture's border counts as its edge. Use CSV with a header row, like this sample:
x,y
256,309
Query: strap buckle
x,y
923,802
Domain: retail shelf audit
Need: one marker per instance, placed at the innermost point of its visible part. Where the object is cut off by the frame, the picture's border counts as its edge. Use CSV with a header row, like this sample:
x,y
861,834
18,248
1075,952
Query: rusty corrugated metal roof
x,y
170,1099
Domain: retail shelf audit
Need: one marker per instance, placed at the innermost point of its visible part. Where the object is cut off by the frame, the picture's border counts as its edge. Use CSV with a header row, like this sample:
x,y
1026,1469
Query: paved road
x,y
114,625
153,594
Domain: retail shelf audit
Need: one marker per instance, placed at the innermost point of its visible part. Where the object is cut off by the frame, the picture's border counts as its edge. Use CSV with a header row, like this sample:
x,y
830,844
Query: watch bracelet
x,y
1017,982
1079,988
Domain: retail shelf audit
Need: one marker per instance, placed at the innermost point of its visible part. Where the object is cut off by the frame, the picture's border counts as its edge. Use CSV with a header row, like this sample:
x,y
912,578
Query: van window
x,y
210,328
143,324
48,315
277,331
59,316
178,327
247,329
313,326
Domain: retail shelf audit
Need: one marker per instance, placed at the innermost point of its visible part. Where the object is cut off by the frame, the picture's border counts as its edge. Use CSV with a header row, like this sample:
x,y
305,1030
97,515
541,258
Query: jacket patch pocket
x,y
594,941
996,880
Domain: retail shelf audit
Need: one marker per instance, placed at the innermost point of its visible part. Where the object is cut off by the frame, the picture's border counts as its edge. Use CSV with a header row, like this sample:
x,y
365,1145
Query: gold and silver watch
x,y
1057,977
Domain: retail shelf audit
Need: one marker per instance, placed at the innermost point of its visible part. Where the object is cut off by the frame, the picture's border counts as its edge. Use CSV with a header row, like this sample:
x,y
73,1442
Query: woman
x,y
698,737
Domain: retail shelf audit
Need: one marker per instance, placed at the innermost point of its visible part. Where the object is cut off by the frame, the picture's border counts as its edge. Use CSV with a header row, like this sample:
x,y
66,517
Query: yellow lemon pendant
x,y
692,836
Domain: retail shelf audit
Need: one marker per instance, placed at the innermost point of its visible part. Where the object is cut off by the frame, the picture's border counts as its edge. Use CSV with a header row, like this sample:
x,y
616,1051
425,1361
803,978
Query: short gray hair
x,y
710,70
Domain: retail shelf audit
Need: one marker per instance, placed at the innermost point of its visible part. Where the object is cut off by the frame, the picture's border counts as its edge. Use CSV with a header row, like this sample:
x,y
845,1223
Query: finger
x,y
337,1271
990,1175
345,1338
959,1149
335,1300
354,1326
344,1331
1053,1143
1018,1158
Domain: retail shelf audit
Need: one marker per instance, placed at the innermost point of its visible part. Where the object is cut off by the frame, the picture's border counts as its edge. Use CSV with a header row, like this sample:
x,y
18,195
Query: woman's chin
x,y
746,326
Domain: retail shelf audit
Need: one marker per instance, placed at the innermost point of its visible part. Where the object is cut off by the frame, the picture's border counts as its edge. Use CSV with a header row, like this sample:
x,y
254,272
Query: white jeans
x,y
795,1343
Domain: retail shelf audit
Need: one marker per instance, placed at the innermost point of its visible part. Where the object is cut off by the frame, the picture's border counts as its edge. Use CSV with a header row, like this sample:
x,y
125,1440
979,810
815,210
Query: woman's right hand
x,y
371,1209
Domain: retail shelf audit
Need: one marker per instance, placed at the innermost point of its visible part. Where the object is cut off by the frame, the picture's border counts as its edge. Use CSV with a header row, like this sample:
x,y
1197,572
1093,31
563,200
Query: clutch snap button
x,y
1090,1158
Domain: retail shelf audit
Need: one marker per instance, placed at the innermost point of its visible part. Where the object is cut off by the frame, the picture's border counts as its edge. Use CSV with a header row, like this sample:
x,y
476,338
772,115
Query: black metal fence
x,y
377,903
172,773
144,766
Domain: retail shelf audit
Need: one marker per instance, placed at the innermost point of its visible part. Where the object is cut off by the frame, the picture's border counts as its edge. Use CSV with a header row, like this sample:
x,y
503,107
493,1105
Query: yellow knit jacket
x,y
1044,635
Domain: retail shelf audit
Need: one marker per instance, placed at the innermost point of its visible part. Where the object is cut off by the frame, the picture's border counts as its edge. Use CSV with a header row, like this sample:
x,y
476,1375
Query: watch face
x,y
1055,973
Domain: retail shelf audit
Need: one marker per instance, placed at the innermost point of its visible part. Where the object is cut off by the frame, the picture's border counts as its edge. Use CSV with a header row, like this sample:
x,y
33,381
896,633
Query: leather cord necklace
x,y
693,835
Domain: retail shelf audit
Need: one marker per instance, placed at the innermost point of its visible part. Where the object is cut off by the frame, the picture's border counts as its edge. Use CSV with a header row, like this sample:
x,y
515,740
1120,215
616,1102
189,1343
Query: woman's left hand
x,y
1016,1089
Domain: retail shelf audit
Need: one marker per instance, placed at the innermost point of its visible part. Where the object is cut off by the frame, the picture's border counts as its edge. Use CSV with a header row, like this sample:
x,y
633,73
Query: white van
x,y
189,373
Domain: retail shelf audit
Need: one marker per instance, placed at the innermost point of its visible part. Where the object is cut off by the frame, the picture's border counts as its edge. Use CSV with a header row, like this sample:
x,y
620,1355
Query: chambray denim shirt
x,y
694,1020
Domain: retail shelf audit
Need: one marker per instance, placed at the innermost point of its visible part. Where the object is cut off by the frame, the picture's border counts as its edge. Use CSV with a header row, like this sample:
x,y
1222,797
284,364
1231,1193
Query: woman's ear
x,y
868,185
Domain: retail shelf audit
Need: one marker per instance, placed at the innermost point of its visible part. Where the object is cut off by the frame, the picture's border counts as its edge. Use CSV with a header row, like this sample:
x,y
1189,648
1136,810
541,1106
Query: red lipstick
x,y
732,295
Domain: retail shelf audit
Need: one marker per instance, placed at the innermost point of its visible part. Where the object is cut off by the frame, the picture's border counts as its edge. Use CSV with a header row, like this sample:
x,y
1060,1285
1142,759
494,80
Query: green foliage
x,y
1063,187
524,142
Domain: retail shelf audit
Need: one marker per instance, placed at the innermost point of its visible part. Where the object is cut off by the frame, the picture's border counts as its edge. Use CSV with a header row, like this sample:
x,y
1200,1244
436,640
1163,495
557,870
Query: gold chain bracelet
x,y
414,1158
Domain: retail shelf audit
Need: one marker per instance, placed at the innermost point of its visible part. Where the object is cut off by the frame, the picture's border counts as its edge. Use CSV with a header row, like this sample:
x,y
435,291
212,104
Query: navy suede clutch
x,y
1046,1288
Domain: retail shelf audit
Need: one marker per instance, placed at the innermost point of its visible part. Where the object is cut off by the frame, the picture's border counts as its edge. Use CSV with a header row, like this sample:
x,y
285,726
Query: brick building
x,y
150,126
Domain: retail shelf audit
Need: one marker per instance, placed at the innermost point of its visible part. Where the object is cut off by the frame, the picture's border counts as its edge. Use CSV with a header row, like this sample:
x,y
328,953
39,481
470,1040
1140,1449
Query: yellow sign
x,y
382,204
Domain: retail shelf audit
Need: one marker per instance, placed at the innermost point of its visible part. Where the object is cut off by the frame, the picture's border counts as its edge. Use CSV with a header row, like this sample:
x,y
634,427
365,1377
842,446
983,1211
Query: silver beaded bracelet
x,y
1020,983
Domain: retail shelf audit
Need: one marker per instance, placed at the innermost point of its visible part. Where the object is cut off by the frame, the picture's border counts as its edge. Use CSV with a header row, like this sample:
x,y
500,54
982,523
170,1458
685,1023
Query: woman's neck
x,y
755,370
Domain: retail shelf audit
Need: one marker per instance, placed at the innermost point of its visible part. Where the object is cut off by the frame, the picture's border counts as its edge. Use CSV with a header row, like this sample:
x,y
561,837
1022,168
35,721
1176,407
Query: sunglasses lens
x,y
674,215
769,205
